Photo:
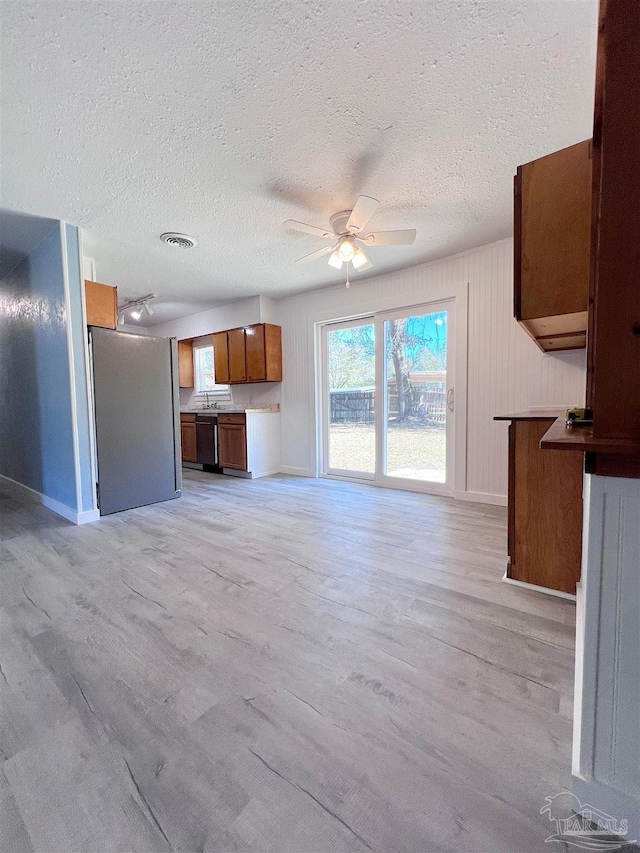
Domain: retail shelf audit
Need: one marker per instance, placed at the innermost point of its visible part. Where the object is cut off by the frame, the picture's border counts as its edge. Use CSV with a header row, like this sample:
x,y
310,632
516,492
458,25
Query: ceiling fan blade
x,y
390,238
314,255
364,209
310,229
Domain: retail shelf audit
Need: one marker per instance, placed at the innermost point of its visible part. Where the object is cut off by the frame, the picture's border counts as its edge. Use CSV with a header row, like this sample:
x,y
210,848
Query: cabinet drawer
x,y
187,418
231,419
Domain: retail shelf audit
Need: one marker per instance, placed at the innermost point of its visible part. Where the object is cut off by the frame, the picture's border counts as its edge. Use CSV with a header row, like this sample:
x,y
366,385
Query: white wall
x,y
506,371
244,312
606,753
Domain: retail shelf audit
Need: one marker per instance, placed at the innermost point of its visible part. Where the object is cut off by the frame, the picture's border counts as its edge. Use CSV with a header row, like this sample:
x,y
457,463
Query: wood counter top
x,y
533,415
559,436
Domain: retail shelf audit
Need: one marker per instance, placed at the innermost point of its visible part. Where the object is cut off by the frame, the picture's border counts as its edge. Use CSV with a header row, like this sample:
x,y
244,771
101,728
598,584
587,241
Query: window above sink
x,y
205,383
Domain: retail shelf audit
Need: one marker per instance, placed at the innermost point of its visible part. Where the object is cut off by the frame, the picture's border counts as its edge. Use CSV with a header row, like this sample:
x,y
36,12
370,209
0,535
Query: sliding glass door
x,y
388,398
349,396
418,396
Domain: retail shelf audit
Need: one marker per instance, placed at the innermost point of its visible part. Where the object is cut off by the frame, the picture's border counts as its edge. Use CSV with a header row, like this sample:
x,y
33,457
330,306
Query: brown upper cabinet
x,y
248,354
552,238
101,302
263,345
236,350
221,358
185,363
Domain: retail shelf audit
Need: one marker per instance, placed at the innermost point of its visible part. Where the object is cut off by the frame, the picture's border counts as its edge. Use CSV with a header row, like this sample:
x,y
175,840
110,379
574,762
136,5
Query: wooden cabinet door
x,y
185,363
552,239
101,303
232,446
255,353
545,525
273,352
188,436
221,358
263,344
237,362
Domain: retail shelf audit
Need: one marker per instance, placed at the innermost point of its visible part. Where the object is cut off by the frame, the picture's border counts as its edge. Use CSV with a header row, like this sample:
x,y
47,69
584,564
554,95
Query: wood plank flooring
x,y
283,665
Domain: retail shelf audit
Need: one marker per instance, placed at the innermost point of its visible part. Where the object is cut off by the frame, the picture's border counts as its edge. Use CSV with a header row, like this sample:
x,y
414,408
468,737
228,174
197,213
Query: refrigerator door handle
x,y
175,392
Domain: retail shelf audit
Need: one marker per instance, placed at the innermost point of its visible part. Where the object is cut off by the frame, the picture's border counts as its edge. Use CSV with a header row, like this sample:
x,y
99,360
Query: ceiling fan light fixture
x,y
359,258
346,250
335,260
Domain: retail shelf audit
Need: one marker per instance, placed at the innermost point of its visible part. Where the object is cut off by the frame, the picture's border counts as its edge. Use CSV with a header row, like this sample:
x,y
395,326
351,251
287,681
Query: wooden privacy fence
x,y
355,406
352,406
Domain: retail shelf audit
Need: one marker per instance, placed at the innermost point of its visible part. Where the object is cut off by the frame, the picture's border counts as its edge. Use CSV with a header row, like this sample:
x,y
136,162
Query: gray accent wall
x,y
37,405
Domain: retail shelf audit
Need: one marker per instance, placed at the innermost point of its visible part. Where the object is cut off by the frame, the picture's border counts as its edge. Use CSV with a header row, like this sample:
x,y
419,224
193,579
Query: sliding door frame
x,y
458,355
382,413
326,469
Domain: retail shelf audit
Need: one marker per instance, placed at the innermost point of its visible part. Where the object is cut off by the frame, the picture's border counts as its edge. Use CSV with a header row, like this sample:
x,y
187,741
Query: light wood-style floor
x,y
281,665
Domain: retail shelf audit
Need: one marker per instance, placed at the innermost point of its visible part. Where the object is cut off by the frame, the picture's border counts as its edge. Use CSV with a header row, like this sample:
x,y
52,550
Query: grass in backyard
x,y
411,449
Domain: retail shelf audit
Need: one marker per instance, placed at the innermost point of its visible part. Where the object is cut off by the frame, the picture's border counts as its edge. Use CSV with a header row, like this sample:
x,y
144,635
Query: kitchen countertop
x,y
270,409
533,415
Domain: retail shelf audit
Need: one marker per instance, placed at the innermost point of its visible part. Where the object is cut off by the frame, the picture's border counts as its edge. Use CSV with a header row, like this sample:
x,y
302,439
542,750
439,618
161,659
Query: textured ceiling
x,y
224,119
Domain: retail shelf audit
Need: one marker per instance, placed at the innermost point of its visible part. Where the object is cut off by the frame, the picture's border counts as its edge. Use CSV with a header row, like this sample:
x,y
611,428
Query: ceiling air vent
x,y
180,241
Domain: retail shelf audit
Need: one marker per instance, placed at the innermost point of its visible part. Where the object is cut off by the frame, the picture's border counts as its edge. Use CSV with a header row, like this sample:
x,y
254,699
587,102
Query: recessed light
x,y
180,241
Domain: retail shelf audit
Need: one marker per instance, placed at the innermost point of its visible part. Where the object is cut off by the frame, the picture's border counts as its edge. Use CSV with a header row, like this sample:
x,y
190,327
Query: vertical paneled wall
x,y
506,370
606,758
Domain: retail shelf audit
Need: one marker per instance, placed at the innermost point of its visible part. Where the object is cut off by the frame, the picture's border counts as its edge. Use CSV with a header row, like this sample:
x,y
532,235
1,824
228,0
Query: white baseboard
x,y
88,516
475,497
611,802
557,592
481,498
55,506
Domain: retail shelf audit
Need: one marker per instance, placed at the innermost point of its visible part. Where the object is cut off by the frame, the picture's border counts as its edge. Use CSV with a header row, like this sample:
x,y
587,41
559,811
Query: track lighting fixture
x,y
136,308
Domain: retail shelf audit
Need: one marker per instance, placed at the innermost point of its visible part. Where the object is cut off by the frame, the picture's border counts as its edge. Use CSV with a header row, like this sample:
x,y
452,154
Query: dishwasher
x,y
207,442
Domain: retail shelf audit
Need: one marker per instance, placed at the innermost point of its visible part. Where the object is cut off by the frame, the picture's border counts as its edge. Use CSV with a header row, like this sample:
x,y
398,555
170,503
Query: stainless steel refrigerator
x,y
137,415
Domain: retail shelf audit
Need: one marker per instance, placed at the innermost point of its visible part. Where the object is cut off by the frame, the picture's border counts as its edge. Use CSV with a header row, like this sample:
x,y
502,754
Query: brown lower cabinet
x,y
188,437
232,442
198,440
545,507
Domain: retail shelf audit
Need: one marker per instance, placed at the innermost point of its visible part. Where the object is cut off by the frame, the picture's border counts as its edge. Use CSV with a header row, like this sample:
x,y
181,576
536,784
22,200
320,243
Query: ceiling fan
x,y
347,232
